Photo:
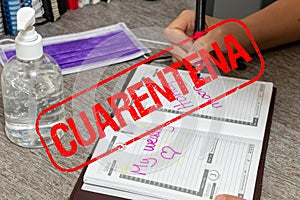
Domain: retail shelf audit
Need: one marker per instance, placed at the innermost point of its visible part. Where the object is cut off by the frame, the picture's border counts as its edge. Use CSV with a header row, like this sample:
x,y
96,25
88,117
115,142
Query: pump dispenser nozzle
x,y
25,18
28,42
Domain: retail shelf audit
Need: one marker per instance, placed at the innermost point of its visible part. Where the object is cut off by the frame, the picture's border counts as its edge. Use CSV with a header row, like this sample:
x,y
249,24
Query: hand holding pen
x,y
272,26
184,26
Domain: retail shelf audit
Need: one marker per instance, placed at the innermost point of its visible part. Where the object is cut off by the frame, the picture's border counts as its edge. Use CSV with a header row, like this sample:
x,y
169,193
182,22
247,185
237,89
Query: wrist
x,y
240,34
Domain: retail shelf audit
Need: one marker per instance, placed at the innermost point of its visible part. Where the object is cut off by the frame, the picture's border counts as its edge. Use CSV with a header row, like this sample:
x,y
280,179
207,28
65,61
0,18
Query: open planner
x,y
218,149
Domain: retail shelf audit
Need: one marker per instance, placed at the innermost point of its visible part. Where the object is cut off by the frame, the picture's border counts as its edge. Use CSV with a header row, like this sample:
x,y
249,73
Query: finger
x,y
175,59
202,42
206,40
178,52
181,28
179,38
196,47
209,21
227,197
184,23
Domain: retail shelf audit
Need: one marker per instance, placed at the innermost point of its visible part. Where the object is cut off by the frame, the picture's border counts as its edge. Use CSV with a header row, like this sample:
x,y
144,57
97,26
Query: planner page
x,y
170,164
214,150
245,110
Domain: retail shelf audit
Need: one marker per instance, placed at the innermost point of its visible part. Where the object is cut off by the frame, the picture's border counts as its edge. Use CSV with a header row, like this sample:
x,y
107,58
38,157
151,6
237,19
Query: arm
x,y
277,24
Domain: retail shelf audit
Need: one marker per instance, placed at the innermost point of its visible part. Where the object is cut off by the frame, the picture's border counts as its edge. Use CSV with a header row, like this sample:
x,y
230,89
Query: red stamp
x,y
103,119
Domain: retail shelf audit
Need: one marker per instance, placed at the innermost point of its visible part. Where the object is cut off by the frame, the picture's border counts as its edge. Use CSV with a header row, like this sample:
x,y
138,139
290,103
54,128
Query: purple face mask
x,y
104,49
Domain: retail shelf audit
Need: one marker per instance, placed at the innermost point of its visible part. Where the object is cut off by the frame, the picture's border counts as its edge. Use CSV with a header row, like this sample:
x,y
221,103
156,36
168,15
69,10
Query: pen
x,y
200,26
200,20
200,16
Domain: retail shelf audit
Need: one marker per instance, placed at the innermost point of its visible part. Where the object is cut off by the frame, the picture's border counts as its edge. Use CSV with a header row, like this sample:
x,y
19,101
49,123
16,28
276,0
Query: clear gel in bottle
x,y
31,82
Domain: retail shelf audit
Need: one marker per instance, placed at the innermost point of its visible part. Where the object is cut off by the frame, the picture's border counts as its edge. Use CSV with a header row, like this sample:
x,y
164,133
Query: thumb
x,y
195,48
201,43
226,197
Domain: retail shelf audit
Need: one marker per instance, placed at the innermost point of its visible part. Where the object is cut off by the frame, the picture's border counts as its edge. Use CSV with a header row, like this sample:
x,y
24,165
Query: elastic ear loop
x,y
7,41
163,58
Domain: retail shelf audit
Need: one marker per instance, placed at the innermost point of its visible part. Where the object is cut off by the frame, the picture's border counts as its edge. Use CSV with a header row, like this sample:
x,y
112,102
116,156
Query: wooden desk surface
x,y
28,174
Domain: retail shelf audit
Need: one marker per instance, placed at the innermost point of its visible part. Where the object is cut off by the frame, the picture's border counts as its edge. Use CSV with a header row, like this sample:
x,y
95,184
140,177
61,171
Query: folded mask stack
x,y
90,49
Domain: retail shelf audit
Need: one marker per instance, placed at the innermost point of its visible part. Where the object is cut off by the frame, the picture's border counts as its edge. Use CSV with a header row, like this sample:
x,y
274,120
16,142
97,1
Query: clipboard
x,y
79,194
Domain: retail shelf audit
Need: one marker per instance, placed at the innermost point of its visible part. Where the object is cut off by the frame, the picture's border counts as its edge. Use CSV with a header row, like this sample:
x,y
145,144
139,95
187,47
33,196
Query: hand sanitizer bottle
x,y
31,82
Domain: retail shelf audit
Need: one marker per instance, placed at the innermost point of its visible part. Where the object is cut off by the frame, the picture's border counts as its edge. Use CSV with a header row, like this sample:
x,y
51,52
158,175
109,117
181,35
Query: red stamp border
x,y
167,122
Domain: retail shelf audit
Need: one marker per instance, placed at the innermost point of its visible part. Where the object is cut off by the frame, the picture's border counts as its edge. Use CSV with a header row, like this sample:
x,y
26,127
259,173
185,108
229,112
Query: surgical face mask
x,y
90,49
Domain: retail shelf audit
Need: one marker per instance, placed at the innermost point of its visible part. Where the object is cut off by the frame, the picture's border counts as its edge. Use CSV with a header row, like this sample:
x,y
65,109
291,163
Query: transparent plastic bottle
x,y
29,87
31,82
